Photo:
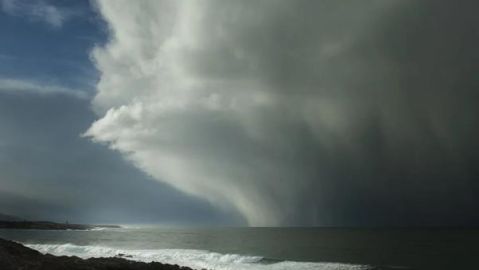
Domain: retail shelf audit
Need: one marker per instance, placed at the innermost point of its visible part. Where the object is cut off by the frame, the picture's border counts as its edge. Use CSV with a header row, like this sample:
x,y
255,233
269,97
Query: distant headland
x,y
12,222
47,225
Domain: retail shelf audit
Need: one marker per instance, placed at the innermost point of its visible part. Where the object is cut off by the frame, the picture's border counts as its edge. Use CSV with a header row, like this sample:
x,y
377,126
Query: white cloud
x,y
36,11
32,87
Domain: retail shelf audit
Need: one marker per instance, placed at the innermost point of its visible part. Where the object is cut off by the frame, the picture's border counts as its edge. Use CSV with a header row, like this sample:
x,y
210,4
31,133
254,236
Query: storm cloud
x,y
298,112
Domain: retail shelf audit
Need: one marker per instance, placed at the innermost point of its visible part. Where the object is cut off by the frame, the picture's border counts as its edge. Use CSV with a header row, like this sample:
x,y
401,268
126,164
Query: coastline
x,y
47,225
15,256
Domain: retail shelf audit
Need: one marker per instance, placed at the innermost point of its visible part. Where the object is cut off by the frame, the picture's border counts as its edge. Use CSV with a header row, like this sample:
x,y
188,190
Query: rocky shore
x,y
14,256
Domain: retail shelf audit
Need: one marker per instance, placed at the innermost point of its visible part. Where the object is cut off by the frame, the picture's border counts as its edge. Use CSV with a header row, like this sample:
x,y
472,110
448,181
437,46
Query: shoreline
x,y
47,225
15,256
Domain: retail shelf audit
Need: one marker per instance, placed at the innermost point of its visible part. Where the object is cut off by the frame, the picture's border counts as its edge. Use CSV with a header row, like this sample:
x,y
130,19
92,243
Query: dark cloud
x,y
414,156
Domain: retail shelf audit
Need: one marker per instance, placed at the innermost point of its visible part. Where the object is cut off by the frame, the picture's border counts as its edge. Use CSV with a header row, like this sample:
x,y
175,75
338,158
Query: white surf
x,y
196,259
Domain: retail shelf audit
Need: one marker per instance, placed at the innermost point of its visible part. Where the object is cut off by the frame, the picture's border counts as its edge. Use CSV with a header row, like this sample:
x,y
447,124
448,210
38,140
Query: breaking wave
x,y
197,259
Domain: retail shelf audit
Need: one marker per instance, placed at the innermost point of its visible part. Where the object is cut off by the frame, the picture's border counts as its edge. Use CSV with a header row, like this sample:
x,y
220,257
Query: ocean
x,y
265,248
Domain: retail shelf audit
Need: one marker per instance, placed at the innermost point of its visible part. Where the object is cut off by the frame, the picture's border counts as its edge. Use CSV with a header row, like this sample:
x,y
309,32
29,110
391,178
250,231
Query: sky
x,y
240,113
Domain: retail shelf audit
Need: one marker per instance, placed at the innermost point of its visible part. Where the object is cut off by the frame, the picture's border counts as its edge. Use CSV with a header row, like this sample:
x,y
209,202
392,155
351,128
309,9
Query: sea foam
x,y
196,259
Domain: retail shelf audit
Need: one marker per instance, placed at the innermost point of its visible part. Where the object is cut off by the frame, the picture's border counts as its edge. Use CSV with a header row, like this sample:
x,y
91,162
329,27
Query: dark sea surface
x,y
267,248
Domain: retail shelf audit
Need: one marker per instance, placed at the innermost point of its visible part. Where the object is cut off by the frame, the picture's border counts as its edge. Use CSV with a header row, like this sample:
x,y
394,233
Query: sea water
x,y
259,248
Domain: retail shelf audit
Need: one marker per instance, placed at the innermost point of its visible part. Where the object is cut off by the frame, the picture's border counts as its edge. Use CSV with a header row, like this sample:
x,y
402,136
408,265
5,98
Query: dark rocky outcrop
x,y
14,256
